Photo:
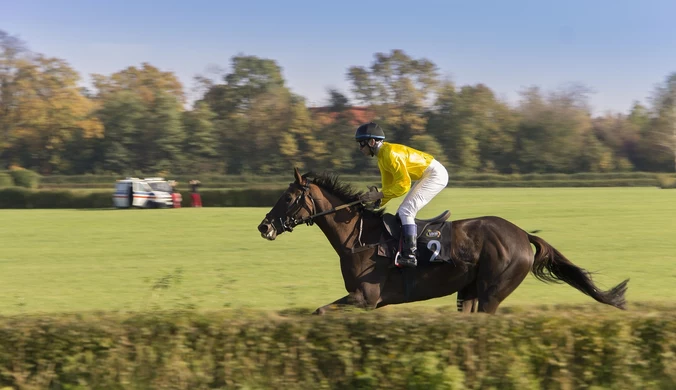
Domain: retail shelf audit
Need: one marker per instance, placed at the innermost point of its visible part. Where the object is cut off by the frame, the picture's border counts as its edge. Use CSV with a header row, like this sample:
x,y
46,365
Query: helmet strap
x,y
376,147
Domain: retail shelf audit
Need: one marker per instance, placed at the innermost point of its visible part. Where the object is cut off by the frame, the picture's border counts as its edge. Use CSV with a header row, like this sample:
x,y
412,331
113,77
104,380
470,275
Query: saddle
x,y
433,243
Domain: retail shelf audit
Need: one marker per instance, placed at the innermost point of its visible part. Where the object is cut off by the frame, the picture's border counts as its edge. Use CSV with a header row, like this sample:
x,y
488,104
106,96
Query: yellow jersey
x,y
399,166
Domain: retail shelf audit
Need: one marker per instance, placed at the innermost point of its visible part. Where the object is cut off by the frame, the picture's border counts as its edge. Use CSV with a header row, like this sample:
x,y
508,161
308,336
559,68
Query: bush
x,y
6,179
666,182
25,178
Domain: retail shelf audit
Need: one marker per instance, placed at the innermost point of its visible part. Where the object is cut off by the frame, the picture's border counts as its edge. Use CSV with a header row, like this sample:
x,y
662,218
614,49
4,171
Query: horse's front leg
x,y
352,299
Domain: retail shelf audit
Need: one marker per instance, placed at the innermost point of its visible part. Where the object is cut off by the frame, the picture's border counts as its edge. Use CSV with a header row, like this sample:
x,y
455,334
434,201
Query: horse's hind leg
x,y
468,305
496,280
467,299
337,304
355,299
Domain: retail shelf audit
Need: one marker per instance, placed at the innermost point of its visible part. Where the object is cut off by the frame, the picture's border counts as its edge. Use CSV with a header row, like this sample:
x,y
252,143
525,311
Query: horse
x,y
490,255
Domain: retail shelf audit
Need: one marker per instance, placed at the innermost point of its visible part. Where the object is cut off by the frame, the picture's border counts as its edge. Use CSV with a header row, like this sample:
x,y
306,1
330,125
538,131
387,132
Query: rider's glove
x,y
371,196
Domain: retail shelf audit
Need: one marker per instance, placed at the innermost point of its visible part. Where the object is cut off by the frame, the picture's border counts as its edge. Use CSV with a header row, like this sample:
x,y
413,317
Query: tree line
x,y
247,120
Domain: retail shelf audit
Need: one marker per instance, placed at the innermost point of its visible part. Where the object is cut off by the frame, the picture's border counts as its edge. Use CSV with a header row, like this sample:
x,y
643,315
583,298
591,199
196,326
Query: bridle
x,y
301,202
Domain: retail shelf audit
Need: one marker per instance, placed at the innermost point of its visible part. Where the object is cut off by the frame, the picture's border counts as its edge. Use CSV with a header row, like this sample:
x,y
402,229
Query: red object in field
x,y
196,200
176,199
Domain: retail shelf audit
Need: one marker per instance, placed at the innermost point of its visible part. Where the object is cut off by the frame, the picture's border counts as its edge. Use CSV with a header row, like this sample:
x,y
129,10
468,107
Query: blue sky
x,y
620,49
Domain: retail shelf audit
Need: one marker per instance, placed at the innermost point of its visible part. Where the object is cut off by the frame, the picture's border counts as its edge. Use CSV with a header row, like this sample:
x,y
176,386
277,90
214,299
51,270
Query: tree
x,y
594,156
122,115
453,125
13,55
253,109
552,130
398,88
663,131
486,130
41,109
148,82
476,131
336,125
49,110
150,136
620,134
164,133
269,146
312,150
640,153
250,77
201,141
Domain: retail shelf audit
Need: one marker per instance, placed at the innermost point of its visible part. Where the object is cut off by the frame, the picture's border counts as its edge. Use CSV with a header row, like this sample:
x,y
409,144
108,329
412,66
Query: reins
x,y
309,219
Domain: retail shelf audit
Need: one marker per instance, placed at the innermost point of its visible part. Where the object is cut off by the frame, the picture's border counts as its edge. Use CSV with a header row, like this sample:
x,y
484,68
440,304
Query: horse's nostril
x,y
263,228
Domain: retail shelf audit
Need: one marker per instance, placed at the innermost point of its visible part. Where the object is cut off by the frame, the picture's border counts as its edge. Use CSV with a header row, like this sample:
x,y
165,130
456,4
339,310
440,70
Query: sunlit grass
x,y
211,258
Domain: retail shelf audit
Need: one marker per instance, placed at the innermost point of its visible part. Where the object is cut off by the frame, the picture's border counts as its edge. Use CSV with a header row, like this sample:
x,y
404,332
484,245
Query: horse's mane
x,y
343,191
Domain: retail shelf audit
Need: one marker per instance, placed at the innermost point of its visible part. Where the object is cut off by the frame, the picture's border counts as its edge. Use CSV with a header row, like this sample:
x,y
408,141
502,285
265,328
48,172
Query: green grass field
x,y
212,258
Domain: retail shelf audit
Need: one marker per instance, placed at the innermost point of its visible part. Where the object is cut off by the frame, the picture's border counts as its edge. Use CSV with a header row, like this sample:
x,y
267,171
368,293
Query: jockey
x,y
399,166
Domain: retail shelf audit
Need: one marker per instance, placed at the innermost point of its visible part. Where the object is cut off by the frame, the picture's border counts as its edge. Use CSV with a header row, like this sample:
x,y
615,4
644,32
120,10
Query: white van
x,y
162,190
135,192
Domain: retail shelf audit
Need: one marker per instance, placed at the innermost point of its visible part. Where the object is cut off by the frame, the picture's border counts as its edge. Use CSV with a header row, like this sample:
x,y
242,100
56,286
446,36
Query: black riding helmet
x,y
368,131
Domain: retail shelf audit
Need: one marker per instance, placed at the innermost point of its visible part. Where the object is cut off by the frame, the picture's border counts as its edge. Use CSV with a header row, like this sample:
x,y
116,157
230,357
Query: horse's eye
x,y
288,199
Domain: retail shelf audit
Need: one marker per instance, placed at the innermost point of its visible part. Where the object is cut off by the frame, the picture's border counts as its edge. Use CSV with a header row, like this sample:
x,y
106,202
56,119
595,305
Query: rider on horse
x,y
399,166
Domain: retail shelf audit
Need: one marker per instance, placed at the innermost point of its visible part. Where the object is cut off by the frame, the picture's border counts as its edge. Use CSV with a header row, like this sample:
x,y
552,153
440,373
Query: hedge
x,y
555,183
21,198
266,196
373,350
456,180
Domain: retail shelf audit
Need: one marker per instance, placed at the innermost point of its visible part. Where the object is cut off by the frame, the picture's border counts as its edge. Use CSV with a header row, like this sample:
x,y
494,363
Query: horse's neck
x,y
342,227
346,229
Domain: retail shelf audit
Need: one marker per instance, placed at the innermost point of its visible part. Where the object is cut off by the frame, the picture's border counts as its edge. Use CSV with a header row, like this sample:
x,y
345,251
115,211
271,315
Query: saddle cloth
x,y
434,239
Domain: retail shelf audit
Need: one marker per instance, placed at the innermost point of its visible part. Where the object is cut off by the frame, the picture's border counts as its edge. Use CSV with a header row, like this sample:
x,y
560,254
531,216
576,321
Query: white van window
x,y
160,186
145,187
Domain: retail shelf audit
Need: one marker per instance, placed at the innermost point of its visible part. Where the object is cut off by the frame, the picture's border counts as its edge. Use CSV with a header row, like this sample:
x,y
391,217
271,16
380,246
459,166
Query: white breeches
x,y
433,180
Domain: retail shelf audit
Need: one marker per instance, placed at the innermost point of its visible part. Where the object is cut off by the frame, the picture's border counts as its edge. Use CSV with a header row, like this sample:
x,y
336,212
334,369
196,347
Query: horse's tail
x,y
551,266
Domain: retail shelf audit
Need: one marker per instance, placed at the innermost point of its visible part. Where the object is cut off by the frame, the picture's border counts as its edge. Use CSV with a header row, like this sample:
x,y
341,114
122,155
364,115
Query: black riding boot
x,y
408,258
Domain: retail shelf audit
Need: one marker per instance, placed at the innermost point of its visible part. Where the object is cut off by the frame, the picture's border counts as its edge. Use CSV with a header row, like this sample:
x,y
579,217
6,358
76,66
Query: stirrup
x,y
407,262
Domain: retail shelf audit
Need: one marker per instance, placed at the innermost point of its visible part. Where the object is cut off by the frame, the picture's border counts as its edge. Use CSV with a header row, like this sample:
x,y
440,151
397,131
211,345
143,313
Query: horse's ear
x,y
299,178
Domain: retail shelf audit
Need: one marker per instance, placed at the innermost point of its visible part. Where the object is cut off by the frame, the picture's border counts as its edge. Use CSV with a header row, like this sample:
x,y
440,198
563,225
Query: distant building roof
x,y
359,115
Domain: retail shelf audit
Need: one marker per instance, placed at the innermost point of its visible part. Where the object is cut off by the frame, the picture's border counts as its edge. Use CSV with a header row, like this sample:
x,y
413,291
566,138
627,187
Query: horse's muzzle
x,y
267,230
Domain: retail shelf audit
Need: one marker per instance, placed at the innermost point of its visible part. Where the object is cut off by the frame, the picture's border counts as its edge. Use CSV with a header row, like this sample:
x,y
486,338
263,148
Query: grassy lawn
x,y
211,258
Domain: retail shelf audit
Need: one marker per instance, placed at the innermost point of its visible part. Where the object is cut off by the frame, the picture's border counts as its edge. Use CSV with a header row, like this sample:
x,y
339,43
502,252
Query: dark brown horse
x,y
491,256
